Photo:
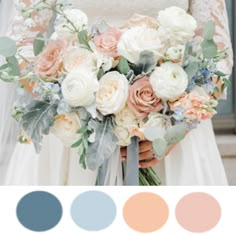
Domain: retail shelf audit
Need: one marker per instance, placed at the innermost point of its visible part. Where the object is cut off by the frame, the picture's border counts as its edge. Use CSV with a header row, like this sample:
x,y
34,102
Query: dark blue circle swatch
x,y
39,211
93,211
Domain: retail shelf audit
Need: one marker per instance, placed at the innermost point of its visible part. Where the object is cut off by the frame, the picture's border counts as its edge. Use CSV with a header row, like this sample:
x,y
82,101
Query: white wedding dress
x,y
194,161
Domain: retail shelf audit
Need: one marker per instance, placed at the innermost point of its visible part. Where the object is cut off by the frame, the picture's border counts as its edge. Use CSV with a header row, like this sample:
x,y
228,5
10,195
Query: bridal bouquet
x,y
113,86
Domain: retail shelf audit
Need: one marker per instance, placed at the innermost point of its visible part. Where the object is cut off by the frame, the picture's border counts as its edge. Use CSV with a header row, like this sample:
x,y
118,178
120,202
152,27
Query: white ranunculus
x,y
176,25
169,81
76,16
79,88
76,57
137,39
113,93
66,127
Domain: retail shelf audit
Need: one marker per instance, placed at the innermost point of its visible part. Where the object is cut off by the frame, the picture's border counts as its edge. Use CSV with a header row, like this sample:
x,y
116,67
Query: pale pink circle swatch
x,y
146,212
198,212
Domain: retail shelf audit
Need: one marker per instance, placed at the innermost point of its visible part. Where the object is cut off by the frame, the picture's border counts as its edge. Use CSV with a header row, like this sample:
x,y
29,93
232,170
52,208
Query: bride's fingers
x,y
147,164
146,155
145,146
123,151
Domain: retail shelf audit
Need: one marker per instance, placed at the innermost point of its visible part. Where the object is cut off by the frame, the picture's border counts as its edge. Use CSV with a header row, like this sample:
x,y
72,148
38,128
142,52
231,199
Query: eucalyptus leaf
x,y
219,73
14,65
37,121
175,133
7,47
209,48
209,30
154,132
160,147
146,63
192,67
123,66
83,39
104,145
39,44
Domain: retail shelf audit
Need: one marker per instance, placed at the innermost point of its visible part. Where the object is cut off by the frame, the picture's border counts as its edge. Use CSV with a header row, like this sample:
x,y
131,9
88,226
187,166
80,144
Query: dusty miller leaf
x,y
104,145
160,147
175,134
37,121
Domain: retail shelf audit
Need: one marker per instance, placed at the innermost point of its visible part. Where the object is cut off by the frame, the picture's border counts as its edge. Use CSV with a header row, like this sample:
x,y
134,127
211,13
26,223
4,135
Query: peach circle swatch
x,y
145,212
198,212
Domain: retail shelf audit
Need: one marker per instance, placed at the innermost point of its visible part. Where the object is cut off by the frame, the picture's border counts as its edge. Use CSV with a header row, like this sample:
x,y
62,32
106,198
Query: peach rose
x,y
49,63
142,99
196,104
107,42
140,20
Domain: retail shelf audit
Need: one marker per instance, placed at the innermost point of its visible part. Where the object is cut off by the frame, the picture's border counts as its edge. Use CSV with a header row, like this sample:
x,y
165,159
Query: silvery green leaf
x,y
192,67
104,145
37,121
63,107
175,133
160,147
38,44
146,63
100,73
83,115
209,48
92,109
209,30
154,132
7,47
123,66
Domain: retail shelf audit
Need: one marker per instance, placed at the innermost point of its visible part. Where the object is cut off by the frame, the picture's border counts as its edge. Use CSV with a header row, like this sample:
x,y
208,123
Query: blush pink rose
x,y
49,63
106,42
142,99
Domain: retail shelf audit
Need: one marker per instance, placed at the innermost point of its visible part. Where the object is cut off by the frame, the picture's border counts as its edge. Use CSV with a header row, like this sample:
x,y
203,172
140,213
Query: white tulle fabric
x,y
194,161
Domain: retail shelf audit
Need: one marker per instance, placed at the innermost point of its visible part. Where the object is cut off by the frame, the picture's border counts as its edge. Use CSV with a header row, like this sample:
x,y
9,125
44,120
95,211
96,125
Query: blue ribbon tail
x,y
132,164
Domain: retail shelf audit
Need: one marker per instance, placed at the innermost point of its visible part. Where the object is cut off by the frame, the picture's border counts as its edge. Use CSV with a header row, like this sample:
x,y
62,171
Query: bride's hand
x,y
146,155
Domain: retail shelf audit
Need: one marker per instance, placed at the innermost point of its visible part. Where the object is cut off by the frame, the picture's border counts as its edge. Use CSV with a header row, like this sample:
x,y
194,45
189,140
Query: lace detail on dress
x,y
215,10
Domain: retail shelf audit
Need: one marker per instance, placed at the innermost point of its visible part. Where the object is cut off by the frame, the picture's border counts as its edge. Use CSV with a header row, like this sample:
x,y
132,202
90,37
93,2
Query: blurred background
x,y
225,122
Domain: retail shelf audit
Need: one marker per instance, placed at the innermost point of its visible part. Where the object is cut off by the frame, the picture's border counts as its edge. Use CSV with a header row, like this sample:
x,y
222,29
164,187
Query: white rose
x,y
176,25
169,81
123,135
76,16
79,87
66,127
113,93
76,57
125,118
137,39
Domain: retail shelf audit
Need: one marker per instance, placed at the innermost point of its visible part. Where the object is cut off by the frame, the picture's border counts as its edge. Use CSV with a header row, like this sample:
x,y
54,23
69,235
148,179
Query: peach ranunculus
x,y
106,42
196,104
142,99
49,63
140,20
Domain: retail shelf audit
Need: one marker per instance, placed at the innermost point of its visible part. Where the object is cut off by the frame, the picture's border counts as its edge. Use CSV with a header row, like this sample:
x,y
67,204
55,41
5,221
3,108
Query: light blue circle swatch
x,y
93,211
39,211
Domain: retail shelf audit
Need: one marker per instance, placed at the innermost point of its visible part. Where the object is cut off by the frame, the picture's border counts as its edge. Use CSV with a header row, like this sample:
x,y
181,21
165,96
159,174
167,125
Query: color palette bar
x,y
103,211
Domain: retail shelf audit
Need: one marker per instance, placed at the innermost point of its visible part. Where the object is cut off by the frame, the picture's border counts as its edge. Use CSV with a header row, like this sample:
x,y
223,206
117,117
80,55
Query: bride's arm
x,y
24,35
214,10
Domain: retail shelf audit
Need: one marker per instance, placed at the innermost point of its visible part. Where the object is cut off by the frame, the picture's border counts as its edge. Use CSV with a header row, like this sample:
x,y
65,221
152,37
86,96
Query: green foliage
x,y
37,121
209,30
175,134
192,67
82,145
7,47
83,39
209,48
146,63
39,44
123,66
104,145
160,147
